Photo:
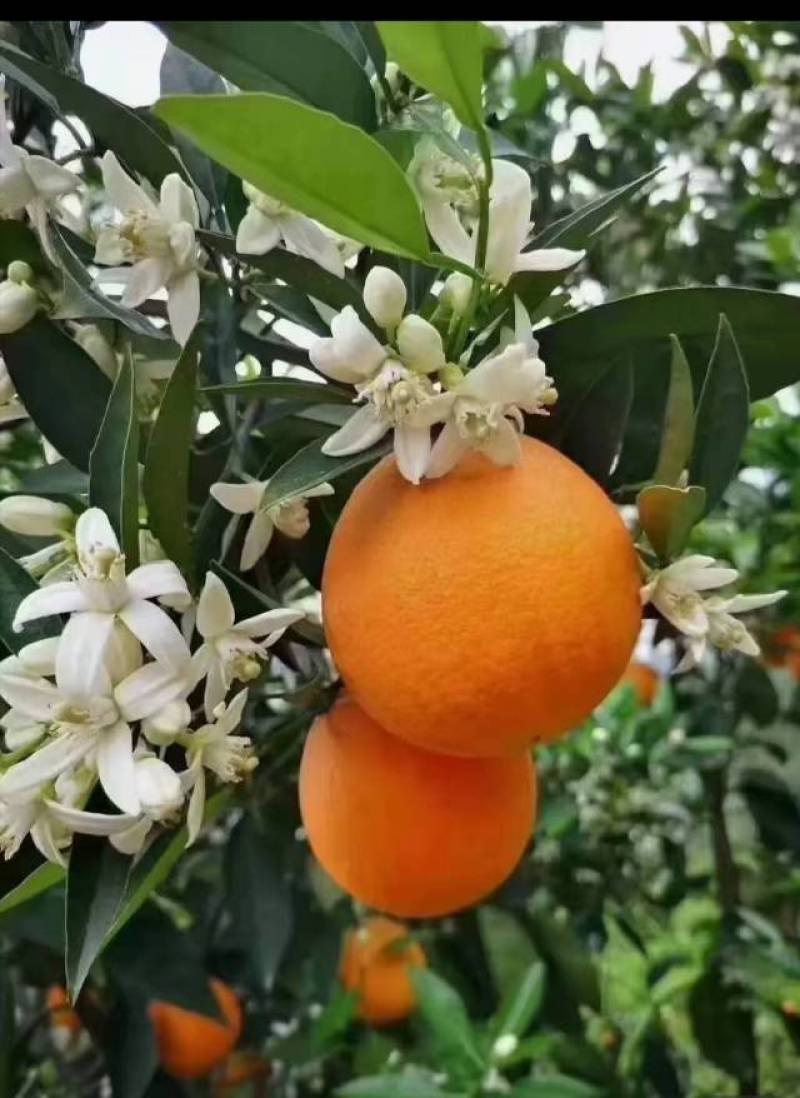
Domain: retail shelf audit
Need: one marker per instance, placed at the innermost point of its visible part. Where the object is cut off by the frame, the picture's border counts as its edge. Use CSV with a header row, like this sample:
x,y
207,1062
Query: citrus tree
x,y
293,332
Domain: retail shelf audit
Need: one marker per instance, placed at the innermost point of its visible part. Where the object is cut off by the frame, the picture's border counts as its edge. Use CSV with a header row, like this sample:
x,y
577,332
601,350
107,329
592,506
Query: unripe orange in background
x,y
191,1044
644,680
484,611
375,964
407,831
61,1010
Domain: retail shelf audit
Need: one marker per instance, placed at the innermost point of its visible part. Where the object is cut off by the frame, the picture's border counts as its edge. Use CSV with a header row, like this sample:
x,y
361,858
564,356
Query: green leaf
x,y
667,515
40,880
166,468
283,388
310,467
333,1022
508,948
722,417
678,431
113,465
96,881
723,1028
393,1086
313,161
755,693
305,630
7,1032
444,1013
443,56
556,1086
17,241
283,57
112,124
63,390
260,901
83,299
576,229
522,1003
15,584
132,1057
594,431
58,479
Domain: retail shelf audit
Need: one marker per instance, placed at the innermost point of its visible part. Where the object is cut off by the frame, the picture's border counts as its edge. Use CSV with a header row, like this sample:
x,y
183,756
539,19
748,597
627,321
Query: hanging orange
x,y
189,1044
407,831
62,1013
375,963
487,610
644,680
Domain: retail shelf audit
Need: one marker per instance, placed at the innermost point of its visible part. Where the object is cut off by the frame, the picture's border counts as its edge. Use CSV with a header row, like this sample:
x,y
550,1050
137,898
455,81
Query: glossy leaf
x,y
722,417
17,241
310,467
283,57
96,882
668,514
283,388
393,1086
15,584
576,229
311,160
522,1003
113,465
40,880
445,1015
166,468
64,391
678,431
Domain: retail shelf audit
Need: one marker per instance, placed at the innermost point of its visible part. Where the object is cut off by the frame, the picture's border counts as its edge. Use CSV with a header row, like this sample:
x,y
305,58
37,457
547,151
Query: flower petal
x,y
353,353
215,611
80,662
412,449
177,201
257,233
158,633
160,577
446,451
363,429
503,445
55,598
548,259
215,690
35,698
45,842
743,604
509,218
260,625
45,764
146,278
93,531
197,804
510,377
123,192
115,767
240,499
89,823
149,689
256,540
446,229
183,305
51,180
306,238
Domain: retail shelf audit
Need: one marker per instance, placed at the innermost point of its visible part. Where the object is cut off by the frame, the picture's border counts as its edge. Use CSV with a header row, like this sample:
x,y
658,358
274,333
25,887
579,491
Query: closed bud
x,y
35,517
158,788
385,297
420,345
456,292
167,724
505,1045
17,306
19,271
97,347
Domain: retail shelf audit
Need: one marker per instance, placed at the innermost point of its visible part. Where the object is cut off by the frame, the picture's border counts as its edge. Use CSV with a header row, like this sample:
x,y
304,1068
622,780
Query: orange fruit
x,y
644,680
191,1044
375,963
484,611
238,1069
407,831
61,1010
783,649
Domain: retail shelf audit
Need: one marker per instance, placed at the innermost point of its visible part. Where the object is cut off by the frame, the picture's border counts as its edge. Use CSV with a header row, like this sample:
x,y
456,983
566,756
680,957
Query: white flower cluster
x,y
394,379
675,593
106,701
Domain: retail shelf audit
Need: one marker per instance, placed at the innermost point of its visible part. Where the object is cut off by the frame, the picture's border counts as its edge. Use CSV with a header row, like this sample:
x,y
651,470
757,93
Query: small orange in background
x,y
406,831
61,1010
783,649
191,1044
375,964
485,611
644,680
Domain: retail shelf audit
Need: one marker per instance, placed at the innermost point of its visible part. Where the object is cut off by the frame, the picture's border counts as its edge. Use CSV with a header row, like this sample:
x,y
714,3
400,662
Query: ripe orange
x,y
61,1010
404,830
484,611
375,963
191,1044
783,649
644,680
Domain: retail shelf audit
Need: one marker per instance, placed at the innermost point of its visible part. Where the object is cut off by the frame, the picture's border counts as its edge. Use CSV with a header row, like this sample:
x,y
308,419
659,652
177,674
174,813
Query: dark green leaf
x,y
310,467
334,1020
166,468
64,391
96,882
113,465
594,432
42,878
283,57
373,44
576,229
678,431
443,1012
313,161
393,1086
722,417
755,693
132,1055
58,479
522,1003
113,124
17,241
556,1086
15,584
284,388
774,808
7,1032
723,1028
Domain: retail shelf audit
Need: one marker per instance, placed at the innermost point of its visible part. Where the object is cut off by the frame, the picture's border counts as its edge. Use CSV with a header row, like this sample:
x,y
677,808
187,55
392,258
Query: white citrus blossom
x,y
214,747
675,592
484,411
33,516
159,240
97,347
289,517
29,182
449,195
268,222
385,297
100,587
11,407
18,304
89,715
230,649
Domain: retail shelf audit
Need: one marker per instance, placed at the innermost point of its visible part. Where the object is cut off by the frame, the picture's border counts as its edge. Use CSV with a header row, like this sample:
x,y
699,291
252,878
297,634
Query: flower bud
x,y
505,1045
292,518
35,517
420,344
17,306
456,292
19,271
158,788
385,297
163,727
97,347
